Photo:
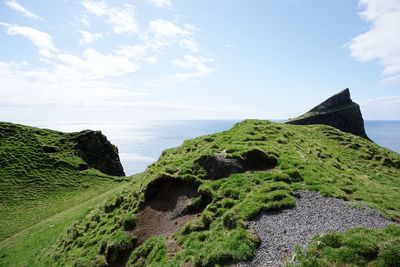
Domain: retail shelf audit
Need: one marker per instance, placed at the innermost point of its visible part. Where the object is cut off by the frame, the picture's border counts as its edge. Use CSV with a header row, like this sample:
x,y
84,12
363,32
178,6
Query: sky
x,y
120,60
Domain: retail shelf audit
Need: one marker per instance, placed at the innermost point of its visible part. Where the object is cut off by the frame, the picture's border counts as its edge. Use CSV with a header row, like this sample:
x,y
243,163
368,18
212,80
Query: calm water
x,y
141,143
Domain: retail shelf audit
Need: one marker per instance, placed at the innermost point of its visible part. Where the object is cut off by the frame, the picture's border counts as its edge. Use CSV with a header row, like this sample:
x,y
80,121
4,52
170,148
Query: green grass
x,y
355,247
316,157
22,247
40,177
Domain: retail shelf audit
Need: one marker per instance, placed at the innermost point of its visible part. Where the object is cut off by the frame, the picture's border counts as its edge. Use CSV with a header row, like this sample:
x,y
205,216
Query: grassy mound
x,y
42,174
226,169
356,247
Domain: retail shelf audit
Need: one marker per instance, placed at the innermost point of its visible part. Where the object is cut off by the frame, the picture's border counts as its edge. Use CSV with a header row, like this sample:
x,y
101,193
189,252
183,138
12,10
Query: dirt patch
x,y
219,166
169,204
258,160
172,247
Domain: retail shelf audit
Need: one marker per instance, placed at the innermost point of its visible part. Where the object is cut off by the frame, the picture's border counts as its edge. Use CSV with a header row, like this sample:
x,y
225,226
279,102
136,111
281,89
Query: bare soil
x,y
172,247
165,211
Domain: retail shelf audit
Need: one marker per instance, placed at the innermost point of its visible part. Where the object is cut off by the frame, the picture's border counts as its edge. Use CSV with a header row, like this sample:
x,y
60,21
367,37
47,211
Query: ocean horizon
x,y
140,143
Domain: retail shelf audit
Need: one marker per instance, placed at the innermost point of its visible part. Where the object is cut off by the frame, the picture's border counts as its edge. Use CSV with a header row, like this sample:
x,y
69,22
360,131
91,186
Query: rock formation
x,y
94,148
338,111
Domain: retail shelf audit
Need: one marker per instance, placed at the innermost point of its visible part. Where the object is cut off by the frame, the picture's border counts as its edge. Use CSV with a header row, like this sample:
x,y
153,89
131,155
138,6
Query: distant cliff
x,y
338,111
95,149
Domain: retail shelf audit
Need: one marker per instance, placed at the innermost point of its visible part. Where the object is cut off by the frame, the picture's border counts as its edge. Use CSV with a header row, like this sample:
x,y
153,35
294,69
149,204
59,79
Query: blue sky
x,y
222,59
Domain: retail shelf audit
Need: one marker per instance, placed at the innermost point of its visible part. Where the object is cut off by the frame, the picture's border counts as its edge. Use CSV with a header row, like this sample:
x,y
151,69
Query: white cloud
x,y
196,64
89,37
382,41
159,36
163,28
94,65
386,107
42,40
122,18
25,87
126,59
66,79
189,43
163,33
18,7
161,3
93,77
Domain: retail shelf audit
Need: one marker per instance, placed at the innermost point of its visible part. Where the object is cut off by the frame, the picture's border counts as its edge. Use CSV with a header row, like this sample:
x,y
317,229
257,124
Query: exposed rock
x,y
49,149
338,111
219,166
256,159
83,167
94,148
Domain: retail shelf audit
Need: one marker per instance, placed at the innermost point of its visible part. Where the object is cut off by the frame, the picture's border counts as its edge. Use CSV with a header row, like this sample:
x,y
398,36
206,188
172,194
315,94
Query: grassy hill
x,y
218,182
42,172
21,248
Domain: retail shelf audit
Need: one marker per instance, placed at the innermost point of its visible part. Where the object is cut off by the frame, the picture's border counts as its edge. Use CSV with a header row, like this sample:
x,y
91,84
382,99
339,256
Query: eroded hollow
x,y
219,166
169,204
258,160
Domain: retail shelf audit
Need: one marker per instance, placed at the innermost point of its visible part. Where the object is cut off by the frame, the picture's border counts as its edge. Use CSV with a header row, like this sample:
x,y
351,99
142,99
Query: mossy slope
x,y
309,157
41,173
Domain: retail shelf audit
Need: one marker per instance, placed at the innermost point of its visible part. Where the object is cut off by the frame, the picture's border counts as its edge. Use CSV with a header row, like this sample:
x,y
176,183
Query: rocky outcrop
x,y
94,148
338,111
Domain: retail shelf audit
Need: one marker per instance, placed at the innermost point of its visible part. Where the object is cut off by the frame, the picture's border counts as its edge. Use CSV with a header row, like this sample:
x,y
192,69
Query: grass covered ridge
x,y
40,176
317,157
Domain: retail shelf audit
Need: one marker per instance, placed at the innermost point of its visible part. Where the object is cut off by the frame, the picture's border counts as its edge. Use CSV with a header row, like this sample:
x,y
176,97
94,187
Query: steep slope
x,y
338,111
222,181
42,171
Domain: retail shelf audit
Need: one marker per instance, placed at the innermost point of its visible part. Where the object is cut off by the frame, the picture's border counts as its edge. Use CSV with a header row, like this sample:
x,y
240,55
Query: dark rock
x,y
256,159
219,166
338,111
83,167
50,149
390,163
94,148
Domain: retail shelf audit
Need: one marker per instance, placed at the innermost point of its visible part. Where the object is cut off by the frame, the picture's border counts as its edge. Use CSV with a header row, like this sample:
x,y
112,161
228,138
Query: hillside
x,y
193,205
44,172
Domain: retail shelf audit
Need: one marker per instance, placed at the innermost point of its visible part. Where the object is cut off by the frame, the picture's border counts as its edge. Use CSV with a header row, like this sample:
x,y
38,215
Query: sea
x,y
140,143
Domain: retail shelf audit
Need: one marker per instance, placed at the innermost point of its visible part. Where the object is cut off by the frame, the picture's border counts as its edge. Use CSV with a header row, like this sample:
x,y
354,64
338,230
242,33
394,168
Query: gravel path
x,y
314,214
